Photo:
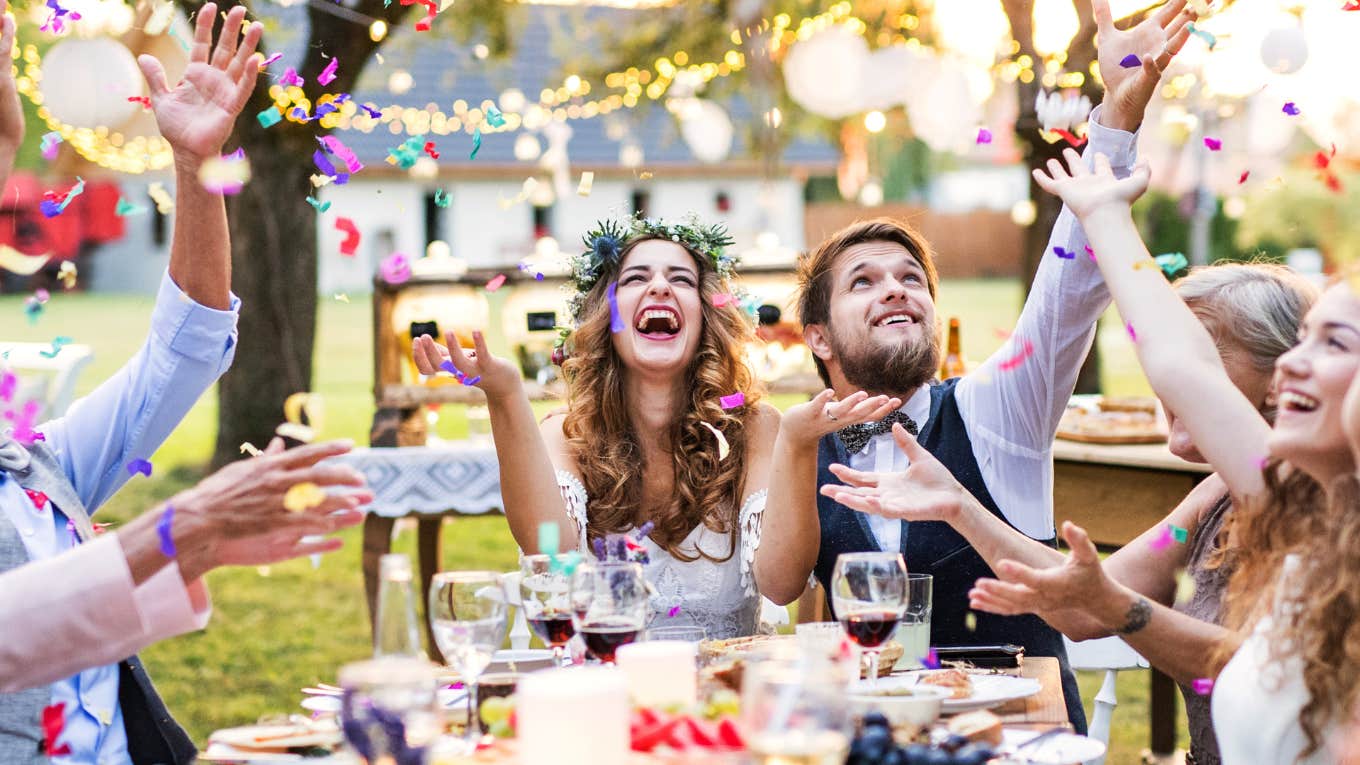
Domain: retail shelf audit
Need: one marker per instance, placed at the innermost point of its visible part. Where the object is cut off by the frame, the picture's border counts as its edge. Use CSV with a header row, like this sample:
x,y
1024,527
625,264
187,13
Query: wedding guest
x,y
867,304
111,713
101,602
1253,313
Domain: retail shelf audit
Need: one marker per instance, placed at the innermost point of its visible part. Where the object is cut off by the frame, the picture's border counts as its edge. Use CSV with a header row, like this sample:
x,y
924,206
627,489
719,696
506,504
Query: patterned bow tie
x,y
13,456
856,436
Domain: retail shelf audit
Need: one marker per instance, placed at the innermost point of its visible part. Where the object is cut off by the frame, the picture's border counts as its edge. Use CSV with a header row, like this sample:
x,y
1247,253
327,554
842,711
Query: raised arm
x,y
1175,350
11,113
528,471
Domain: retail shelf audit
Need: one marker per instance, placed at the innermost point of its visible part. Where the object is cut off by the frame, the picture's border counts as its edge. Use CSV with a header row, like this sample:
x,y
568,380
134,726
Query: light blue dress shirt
x,y
127,417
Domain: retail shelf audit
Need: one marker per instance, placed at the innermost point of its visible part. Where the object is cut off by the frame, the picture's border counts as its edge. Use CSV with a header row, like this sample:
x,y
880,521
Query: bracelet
x,y
163,529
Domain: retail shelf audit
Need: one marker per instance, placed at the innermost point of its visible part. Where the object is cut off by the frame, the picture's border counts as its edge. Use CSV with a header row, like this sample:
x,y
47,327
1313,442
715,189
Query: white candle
x,y
574,716
660,672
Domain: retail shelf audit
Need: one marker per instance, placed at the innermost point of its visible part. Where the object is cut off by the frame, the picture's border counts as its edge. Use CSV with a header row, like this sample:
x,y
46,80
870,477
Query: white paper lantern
x,y
946,113
823,73
87,83
1285,50
707,130
527,148
895,70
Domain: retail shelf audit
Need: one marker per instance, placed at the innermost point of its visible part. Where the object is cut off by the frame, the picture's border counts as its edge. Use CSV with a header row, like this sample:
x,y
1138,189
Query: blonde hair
x,y
1251,308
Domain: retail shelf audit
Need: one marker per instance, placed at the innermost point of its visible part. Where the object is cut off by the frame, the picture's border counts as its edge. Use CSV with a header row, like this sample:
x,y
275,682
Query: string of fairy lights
x,y
575,98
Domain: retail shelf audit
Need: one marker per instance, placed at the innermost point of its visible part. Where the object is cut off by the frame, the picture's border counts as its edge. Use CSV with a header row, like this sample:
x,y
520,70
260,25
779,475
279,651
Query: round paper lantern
x,y
894,71
946,113
822,73
86,83
1285,50
527,148
707,130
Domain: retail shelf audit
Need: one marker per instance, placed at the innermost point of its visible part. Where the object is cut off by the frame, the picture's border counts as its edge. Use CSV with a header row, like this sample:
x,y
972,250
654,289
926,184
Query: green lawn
x,y
276,631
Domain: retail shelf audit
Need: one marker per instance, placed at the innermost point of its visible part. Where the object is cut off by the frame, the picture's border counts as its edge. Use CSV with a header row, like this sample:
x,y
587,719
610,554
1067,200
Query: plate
x,y
276,737
988,690
525,660
1060,749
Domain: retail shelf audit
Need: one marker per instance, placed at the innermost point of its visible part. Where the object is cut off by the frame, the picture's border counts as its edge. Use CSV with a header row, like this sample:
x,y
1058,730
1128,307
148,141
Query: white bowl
x,y
921,707
524,660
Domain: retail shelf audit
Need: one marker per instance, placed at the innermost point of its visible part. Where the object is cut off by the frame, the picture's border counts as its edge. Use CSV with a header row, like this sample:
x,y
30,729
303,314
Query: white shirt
x,y
1012,414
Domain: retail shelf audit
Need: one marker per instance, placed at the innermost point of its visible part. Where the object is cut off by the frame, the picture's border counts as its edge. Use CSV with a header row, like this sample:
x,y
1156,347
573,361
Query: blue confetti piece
x,y
1064,254
931,660
1172,263
139,466
1208,38
318,204
615,320
441,199
494,118
476,143
1130,61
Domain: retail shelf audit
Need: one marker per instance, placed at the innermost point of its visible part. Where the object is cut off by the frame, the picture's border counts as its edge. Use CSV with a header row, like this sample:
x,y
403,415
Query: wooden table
x,y
1117,493
1046,708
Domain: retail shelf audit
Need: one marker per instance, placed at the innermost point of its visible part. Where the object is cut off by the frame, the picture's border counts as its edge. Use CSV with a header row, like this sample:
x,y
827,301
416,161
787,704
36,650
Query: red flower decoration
x,y
38,498
53,721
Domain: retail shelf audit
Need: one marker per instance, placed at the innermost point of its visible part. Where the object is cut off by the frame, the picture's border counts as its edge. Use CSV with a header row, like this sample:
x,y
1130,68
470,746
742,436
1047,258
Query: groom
x,y
867,304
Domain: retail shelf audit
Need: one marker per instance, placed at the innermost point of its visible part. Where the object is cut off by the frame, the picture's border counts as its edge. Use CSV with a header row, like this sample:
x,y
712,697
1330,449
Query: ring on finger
x,y
833,417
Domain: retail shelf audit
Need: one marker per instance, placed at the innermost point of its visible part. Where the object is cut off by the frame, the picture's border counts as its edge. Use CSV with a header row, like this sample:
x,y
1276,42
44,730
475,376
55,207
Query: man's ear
x,y
818,340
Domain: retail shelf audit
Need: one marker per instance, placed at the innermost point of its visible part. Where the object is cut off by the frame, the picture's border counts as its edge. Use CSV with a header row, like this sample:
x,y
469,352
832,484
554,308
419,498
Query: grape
x,y
497,710
875,720
973,754
954,743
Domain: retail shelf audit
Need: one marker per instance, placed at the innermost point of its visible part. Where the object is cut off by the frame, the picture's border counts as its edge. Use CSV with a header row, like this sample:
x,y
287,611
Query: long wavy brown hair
x,y
602,437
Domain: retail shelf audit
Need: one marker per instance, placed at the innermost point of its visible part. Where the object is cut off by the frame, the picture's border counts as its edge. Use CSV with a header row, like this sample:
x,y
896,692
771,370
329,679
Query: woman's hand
x,y
925,491
1087,191
497,377
1079,583
1154,41
11,113
806,423
197,115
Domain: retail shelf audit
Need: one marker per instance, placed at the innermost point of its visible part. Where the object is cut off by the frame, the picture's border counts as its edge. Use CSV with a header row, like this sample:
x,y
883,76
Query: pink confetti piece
x,y
1213,144
1074,141
1163,539
1261,462
1243,178
143,100
395,268
1130,61
931,660
1291,109
290,77
350,244
495,282
139,466
327,75
732,401
615,320
338,148
9,383
984,135
1026,350
1063,253
723,299
1090,253
23,423
271,60
673,612
1203,686
50,142
1132,335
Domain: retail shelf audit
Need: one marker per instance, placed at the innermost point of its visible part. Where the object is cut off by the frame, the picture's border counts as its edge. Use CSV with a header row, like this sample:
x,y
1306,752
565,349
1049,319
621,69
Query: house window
x,y
157,226
434,220
642,202
543,221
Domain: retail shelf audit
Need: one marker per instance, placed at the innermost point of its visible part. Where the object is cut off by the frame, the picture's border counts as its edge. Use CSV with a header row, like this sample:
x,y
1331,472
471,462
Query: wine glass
x,y
793,710
467,617
869,595
389,711
545,596
609,606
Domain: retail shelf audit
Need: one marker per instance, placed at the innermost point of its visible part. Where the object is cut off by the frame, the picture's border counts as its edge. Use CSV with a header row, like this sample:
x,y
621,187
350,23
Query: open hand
x,y
925,491
808,422
1079,583
1155,41
498,377
11,113
197,115
1085,191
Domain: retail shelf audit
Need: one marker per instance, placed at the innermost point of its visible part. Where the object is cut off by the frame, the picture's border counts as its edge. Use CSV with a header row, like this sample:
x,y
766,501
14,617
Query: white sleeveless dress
x,y
721,596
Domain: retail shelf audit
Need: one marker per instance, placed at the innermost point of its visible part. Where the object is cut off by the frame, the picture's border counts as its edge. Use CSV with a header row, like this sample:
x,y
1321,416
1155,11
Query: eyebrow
x,y
1341,325
910,263
672,269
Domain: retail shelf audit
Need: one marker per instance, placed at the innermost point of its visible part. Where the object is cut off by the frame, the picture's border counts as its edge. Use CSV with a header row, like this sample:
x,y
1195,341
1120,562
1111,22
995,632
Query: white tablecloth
x,y
459,476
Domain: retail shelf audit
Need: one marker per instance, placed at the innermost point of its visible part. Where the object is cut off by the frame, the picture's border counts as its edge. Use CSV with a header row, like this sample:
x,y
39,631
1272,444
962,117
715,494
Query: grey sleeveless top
x,y
1210,584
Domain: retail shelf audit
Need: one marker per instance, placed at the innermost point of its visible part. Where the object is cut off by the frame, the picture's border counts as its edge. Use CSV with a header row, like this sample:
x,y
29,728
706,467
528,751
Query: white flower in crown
x,y
1061,111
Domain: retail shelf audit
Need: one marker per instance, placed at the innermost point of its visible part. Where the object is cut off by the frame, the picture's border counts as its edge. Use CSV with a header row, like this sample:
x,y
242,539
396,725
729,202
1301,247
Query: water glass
x,y
793,711
610,605
390,712
545,596
914,630
869,595
467,617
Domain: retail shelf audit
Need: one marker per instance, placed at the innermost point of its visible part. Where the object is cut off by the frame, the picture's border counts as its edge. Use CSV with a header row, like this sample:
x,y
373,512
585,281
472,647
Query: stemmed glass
x,y
545,596
467,617
609,604
869,595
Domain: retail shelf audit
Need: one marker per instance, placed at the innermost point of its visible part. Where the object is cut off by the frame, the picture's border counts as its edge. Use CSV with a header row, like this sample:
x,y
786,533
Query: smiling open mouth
x,y
1297,402
894,319
658,323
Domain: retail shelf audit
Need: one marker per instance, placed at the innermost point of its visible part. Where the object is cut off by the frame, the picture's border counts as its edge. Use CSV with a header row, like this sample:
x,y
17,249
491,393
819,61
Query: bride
x,y
652,439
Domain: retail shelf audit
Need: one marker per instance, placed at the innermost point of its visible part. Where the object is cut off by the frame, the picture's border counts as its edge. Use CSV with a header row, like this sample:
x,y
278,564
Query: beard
x,y
895,369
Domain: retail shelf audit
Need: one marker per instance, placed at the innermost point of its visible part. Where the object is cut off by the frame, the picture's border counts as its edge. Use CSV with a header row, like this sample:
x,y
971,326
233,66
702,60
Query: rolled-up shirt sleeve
x,y
188,347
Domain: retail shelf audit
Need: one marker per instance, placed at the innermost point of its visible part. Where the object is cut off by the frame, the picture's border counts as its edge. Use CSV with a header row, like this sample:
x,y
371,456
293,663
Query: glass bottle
x,y
953,366
398,632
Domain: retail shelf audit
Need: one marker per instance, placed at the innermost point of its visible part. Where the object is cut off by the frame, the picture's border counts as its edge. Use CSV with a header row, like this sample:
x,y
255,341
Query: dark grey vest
x,y
153,737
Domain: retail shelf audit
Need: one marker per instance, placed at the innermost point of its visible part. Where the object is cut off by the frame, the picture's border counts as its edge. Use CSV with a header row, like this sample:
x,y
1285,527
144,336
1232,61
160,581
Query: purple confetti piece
x,y
50,208
448,366
322,162
1132,334
1065,254
1213,144
1291,109
371,112
599,549
472,380
1130,61
984,135
163,530
642,531
327,75
732,401
139,466
673,612
931,660
271,60
1203,685
615,320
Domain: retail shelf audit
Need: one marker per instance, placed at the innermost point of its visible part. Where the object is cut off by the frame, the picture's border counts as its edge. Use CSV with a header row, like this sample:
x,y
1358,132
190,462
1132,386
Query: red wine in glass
x,y
870,629
552,627
603,639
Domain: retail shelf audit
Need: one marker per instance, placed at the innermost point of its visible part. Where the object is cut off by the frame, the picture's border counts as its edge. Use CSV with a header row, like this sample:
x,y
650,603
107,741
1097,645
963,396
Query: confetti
x,y
395,269
1203,686
723,448
494,118
249,448
1065,254
1090,253
33,305
1075,142
1179,534
302,497
970,621
495,282
1351,5
1132,335
16,262
57,343
1185,587
673,612
984,135
549,538
931,660
723,299
525,190
587,182
1261,462
164,204
476,143
441,199
139,466
1291,109
1130,61
224,175
1163,539
327,75
430,150
175,35
321,180
266,62
53,722
1213,144
319,205
1172,263
9,382
23,423
1026,350
342,298
616,324
269,117
1208,38
54,204
1144,263
405,155
143,100
526,267
1243,178
350,244
38,498
338,148
290,77
294,408
50,142
732,401
66,272
372,112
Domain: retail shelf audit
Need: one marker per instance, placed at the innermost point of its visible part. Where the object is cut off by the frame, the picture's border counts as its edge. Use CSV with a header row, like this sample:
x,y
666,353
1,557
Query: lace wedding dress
x,y
721,596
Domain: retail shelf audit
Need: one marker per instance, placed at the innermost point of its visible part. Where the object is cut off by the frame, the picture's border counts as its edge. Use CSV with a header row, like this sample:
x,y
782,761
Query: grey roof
x,y
444,70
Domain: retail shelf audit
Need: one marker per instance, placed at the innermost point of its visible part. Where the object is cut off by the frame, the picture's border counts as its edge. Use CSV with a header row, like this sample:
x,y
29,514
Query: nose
x,y
1292,363
894,291
659,287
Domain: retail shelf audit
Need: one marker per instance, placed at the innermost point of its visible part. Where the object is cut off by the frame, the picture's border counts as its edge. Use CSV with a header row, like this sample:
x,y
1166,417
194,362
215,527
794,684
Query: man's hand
x,y
806,423
925,491
1154,41
11,114
197,115
1086,191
